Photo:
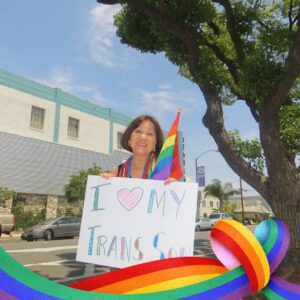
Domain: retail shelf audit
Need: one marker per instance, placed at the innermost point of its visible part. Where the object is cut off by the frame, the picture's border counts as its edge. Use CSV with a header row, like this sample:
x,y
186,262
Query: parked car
x,y
215,217
7,223
67,226
202,223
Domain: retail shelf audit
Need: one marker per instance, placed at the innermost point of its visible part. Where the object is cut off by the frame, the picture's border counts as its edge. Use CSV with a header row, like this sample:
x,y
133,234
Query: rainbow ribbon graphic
x,y
230,276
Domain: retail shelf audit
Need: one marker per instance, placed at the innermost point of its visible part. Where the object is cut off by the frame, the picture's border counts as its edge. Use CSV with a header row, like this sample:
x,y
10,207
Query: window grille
x,y
37,117
73,128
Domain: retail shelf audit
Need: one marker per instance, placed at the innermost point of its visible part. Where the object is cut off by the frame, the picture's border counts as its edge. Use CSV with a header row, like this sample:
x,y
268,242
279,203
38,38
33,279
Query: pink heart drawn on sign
x,y
130,198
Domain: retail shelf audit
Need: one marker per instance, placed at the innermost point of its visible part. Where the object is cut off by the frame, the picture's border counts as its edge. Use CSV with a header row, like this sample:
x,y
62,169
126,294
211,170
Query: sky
x,y
72,45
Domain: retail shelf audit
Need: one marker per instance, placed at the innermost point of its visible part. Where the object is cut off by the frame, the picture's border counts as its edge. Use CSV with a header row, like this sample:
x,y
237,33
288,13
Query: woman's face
x,y
143,138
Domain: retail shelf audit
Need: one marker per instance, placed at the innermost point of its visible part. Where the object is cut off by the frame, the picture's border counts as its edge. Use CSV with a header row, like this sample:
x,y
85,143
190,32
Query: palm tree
x,y
219,191
230,207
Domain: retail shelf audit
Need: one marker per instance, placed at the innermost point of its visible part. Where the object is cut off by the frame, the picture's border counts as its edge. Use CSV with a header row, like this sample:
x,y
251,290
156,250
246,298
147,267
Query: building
x,y
206,205
36,111
255,208
47,135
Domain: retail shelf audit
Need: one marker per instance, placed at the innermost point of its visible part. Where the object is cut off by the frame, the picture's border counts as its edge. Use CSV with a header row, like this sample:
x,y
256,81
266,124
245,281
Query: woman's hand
x,y
113,172
106,175
169,180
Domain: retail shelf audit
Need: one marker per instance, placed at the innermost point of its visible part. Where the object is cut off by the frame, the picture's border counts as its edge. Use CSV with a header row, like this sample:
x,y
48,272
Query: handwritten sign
x,y
130,221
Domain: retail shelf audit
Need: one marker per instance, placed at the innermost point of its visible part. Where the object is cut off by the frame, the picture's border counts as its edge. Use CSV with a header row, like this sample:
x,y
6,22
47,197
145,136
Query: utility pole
x,y
242,201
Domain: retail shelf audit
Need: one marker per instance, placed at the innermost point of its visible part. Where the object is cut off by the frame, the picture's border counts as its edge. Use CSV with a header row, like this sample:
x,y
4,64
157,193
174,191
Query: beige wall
x,y
15,114
93,131
117,128
207,209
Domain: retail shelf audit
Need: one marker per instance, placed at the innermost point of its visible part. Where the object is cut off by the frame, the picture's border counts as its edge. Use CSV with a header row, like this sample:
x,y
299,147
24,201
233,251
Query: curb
x,y
12,235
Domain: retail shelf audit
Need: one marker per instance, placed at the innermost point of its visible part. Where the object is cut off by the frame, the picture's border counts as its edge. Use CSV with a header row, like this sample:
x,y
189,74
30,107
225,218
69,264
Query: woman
x,y
144,138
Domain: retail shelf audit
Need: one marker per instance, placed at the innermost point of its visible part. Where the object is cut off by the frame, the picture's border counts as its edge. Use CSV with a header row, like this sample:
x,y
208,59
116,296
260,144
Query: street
x,y
55,259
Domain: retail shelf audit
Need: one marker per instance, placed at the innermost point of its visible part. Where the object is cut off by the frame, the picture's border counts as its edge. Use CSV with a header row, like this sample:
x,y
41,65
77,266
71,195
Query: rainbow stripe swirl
x,y
245,264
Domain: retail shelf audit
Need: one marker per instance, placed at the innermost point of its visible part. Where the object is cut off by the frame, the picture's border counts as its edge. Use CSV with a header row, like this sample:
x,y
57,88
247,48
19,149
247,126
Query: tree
x,y
245,51
6,194
230,207
221,192
75,189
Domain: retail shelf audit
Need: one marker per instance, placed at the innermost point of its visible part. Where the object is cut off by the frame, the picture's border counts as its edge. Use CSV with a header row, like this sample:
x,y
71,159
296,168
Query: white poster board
x,y
131,221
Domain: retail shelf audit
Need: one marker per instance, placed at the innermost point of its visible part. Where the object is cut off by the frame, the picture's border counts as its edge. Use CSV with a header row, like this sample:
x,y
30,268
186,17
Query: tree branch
x,y
109,2
290,15
214,28
253,110
213,120
231,26
221,56
161,5
291,72
172,27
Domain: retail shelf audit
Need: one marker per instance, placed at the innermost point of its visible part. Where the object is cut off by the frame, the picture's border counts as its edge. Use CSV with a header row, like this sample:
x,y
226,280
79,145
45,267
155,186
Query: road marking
x,y
53,263
50,249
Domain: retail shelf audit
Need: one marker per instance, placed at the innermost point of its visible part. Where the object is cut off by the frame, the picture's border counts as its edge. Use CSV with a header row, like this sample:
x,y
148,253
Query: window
x,y
37,117
73,128
119,136
211,203
203,203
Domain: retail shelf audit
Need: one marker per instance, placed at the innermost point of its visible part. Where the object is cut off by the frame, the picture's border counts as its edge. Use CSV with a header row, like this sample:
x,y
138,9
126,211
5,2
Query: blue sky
x,y
71,44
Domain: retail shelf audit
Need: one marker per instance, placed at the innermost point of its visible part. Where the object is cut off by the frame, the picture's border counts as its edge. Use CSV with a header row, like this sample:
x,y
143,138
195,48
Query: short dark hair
x,y
136,123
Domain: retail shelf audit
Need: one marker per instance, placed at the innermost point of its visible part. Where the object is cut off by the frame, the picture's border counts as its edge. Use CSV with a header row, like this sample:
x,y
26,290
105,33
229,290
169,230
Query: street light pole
x,y
201,154
197,179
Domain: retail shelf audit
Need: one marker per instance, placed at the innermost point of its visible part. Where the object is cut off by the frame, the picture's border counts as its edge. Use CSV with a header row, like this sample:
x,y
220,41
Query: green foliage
x,y
230,207
28,217
243,49
250,221
251,151
290,127
221,192
257,220
75,189
134,27
258,66
5,194
68,211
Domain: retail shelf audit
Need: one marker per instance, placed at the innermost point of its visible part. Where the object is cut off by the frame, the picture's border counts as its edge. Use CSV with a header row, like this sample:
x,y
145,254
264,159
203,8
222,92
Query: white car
x,y
216,217
202,223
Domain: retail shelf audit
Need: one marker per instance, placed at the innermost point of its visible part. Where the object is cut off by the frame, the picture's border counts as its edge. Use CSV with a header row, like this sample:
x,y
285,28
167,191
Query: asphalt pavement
x,y
56,261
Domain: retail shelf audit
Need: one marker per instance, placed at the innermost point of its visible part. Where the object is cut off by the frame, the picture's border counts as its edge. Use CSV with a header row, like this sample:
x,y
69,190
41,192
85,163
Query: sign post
x,y
200,176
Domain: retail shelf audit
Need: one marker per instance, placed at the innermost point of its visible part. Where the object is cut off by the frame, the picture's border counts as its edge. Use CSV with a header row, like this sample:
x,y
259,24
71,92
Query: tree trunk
x,y
283,193
285,203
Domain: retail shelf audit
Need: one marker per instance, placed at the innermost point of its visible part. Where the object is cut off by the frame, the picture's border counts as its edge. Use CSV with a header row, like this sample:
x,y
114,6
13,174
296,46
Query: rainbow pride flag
x,y
168,161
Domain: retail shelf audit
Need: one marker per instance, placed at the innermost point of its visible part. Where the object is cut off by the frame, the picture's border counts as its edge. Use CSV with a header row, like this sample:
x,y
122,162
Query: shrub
x,y
5,194
27,218
69,211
